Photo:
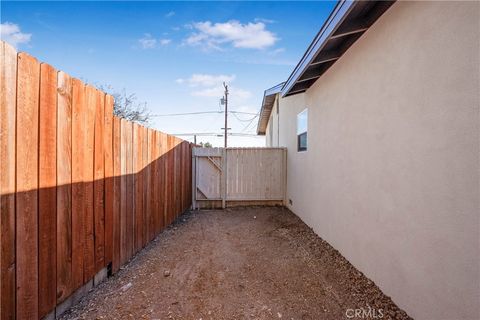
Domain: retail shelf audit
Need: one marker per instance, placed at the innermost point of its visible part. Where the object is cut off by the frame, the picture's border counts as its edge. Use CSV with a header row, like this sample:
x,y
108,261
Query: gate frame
x,y
223,154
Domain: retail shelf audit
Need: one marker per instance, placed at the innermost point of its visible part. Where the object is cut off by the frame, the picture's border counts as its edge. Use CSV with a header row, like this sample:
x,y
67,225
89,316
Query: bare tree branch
x,y
127,106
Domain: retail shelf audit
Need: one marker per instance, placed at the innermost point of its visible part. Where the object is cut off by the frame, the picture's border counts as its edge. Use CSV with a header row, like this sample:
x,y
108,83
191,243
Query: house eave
x,y
345,25
267,106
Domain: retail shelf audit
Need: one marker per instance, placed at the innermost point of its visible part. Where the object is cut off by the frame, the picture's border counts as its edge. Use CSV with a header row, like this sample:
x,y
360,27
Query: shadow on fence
x,y
83,228
80,189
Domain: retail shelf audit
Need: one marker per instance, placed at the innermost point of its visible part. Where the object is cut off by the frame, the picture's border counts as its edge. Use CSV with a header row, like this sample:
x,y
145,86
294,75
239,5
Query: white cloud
x,y
170,14
277,51
10,32
164,42
213,35
148,42
217,92
206,80
211,86
264,20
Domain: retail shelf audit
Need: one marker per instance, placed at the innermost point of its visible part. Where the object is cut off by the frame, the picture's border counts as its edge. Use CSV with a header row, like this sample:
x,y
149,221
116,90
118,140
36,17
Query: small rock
x,y
279,314
166,273
254,217
126,287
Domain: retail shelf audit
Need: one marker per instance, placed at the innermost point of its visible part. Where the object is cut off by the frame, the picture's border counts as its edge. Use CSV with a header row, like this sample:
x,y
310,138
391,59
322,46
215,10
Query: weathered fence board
x,y
78,187
89,242
47,196
27,187
145,165
130,198
138,184
8,96
99,181
117,200
64,191
123,192
109,177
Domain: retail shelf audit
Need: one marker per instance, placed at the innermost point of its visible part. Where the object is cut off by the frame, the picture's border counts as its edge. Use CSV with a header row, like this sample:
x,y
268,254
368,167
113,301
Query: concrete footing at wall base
x,y
217,204
75,297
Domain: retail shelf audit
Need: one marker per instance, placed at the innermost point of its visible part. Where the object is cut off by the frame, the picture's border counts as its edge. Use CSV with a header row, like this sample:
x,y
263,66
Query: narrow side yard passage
x,y
242,263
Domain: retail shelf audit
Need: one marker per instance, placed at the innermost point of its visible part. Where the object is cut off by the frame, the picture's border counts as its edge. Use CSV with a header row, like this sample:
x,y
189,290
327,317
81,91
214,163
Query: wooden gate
x,y
238,176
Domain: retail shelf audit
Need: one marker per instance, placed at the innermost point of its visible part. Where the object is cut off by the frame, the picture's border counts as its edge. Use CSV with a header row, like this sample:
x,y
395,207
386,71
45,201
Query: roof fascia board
x,y
328,29
269,92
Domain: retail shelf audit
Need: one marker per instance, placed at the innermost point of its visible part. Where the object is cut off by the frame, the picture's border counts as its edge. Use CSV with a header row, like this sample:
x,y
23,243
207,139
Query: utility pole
x,y
226,112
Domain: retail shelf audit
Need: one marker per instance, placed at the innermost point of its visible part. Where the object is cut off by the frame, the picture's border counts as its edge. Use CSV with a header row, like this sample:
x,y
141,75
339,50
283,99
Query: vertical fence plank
x,y
138,154
78,186
190,174
156,182
134,185
47,181
153,185
99,182
145,184
167,185
183,168
161,181
171,182
89,244
123,193
116,193
184,175
64,191
8,89
175,178
158,169
27,187
109,182
130,205
148,183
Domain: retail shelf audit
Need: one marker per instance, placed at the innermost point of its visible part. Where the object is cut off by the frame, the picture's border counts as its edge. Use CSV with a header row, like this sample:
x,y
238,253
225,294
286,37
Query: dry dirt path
x,y
243,263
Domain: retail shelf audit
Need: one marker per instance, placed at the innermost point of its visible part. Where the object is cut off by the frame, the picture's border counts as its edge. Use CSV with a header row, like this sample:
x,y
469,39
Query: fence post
x,y
224,178
284,169
194,179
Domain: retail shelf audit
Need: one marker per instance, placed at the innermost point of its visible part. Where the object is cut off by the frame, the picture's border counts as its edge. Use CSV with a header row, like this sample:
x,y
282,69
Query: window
x,y
302,126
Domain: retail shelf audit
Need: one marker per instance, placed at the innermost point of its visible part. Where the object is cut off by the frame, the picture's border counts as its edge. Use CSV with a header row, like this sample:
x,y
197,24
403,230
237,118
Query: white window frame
x,y
302,131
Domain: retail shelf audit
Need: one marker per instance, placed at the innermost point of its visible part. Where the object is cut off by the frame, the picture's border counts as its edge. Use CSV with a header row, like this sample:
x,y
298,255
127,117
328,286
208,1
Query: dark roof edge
x,y
264,111
337,16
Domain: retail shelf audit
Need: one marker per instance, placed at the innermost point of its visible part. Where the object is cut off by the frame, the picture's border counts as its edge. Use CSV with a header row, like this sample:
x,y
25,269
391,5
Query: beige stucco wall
x,y
273,130
391,175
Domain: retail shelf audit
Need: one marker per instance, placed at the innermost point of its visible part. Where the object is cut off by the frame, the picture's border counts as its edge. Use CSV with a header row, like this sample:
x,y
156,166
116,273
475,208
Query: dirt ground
x,y
242,263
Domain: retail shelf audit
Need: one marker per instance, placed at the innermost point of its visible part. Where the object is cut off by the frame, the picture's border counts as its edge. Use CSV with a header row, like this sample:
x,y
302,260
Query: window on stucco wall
x,y
302,128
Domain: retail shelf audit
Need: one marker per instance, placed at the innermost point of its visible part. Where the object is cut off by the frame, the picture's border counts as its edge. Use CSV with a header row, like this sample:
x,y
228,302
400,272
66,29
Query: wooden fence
x,y
80,189
238,176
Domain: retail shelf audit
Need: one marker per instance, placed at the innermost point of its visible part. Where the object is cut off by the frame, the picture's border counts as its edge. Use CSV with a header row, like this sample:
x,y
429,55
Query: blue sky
x,y
173,55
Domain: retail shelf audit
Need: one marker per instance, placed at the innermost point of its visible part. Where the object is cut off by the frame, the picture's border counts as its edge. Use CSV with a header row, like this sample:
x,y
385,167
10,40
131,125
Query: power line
x,y
201,112
184,114
241,112
248,125
244,120
214,134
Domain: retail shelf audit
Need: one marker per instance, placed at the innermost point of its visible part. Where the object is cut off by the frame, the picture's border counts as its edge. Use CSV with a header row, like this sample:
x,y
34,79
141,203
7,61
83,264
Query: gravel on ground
x,y
239,263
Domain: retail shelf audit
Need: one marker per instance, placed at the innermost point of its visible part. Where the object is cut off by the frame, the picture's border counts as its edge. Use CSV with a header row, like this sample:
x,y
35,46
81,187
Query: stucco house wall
x,y
273,129
391,174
